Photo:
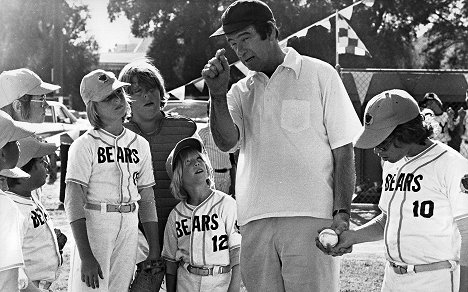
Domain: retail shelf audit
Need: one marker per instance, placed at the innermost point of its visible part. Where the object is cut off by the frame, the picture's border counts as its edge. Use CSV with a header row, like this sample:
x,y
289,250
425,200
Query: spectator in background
x,y
147,95
463,128
442,122
222,162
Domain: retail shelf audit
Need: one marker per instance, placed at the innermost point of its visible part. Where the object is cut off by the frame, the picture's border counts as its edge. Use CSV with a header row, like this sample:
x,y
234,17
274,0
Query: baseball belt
x,y
399,269
206,271
222,170
42,284
103,207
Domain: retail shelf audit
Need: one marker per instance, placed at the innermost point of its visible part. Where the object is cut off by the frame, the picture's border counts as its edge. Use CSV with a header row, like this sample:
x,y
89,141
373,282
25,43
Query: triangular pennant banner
x,y
242,67
362,81
200,84
347,12
325,23
466,78
179,92
348,41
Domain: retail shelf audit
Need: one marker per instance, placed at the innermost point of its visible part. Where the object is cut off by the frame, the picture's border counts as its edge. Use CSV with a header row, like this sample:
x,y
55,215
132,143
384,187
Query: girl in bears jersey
x,y
201,239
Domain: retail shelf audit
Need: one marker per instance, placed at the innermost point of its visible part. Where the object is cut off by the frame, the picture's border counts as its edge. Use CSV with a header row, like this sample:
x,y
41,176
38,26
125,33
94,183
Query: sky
x,y
106,33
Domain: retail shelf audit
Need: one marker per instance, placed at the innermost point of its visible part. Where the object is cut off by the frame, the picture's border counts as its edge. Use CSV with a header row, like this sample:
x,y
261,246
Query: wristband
x,y
346,211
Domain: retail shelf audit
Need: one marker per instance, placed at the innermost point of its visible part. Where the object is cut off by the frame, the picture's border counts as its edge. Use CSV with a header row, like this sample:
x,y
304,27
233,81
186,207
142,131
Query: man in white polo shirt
x,y
294,124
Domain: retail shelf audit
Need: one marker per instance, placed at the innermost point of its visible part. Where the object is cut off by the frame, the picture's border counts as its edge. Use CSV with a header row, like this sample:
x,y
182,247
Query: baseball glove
x,y
148,277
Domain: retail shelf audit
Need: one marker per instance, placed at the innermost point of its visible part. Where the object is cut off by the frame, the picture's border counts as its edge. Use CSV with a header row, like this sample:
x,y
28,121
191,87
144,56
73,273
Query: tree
x,y
181,29
27,34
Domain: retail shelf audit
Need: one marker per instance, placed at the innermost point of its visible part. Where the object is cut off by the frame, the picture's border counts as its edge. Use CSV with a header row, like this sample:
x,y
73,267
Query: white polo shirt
x,y
288,125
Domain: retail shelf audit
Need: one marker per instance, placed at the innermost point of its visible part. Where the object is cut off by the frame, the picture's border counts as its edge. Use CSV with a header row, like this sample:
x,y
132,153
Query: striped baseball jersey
x,y
202,235
113,168
11,234
218,158
40,249
422,197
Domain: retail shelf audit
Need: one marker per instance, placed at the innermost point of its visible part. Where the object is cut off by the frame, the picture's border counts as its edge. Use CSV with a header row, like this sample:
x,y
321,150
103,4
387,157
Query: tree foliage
x,y
28,40
181,28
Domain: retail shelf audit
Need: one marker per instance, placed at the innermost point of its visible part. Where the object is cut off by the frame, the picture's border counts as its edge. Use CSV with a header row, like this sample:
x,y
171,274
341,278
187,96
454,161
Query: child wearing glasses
x,y
41,249
109,185
201,238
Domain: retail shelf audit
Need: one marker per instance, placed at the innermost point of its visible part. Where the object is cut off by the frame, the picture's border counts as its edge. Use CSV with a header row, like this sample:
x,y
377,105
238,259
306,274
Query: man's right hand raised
x,y
216,74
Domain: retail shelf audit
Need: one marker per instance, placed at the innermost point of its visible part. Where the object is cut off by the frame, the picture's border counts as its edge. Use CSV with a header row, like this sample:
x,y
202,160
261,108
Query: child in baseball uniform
x,y
424,200
41,251
11,219
201,239
109,184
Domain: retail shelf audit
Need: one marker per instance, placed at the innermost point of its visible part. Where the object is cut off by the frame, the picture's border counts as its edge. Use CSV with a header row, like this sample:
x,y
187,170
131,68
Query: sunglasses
x,y
385,144
42,101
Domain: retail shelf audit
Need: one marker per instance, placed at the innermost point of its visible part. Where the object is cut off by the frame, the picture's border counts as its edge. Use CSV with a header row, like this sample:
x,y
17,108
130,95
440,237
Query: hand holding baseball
x,y
216,74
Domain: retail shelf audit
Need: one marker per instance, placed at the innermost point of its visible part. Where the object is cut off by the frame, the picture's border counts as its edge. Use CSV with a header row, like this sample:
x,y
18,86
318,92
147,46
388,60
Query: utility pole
x,y
57,66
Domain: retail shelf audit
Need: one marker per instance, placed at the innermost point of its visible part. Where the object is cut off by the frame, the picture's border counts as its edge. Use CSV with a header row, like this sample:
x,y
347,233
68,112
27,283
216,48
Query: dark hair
x,y
27,168
415,131
264,29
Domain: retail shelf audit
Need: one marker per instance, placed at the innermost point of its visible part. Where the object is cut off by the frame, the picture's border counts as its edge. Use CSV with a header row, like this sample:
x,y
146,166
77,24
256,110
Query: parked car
x,y
193,109
58,121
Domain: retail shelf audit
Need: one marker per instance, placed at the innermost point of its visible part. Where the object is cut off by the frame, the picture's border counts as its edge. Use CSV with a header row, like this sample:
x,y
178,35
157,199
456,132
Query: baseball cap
x,y
243,13
430,96
16,83
99,84
184,143
383,114
12,130
14,173
31,147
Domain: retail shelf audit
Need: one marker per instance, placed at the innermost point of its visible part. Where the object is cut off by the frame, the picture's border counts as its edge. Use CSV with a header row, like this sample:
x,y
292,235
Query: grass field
x,y
361,270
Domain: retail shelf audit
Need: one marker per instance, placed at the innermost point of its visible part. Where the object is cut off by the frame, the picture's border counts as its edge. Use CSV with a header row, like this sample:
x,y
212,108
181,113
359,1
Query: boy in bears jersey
x,y
41,250
201,239
11,227
424,200
109,185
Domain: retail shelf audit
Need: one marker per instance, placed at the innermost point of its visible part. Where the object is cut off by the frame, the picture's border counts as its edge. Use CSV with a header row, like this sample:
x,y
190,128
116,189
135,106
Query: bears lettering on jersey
x,y
124,155
404,182
39,217
206,223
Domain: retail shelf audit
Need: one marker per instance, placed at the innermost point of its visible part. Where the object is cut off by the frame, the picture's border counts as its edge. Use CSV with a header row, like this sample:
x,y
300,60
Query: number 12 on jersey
x,y
220,243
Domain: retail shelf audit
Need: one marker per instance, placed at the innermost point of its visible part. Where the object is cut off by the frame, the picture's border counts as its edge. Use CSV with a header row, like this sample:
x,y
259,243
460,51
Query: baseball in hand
x,y
328,237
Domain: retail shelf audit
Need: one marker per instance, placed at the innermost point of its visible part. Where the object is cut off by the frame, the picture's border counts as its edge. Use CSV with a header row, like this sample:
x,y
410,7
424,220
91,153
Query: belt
x,y
222,170
423,268
103,207
42,284
207,271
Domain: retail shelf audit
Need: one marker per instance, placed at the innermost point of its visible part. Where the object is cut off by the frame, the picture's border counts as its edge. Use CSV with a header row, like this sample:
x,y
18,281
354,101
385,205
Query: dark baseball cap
x,y
184,143
243,13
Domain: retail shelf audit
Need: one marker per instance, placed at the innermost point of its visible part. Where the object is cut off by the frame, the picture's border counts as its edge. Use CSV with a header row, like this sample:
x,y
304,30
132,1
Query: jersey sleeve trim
x,y
76,181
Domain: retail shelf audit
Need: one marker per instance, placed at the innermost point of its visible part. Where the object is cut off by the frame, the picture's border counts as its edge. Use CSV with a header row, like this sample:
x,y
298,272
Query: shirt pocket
x,y
295,115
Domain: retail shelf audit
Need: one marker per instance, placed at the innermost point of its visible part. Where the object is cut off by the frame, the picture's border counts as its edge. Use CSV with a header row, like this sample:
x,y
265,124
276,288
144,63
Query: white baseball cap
x,y
14,173
383,114
16,83
184,143
31,147
99,84
12,130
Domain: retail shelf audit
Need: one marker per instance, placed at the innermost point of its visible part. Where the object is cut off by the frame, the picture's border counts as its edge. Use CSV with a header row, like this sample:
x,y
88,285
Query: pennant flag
x,y
200,84
179,92
347,12
325,23
348,41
